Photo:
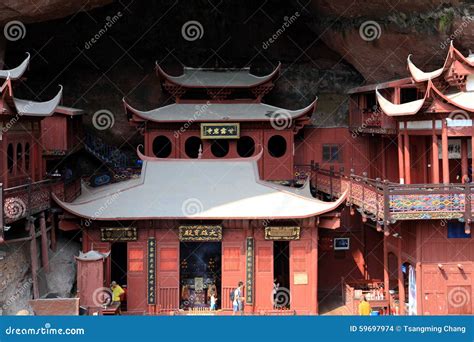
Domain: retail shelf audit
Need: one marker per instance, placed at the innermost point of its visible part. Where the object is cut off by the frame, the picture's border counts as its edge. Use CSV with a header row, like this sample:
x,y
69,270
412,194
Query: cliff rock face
x,y
28,11
376,38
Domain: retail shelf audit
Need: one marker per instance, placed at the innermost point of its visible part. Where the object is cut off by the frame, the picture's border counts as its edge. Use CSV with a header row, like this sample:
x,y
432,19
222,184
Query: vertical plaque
x,y
151,276
249,271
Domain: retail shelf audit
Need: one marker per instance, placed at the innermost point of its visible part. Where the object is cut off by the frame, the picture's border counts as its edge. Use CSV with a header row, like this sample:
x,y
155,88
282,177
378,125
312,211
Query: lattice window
x,y
135,260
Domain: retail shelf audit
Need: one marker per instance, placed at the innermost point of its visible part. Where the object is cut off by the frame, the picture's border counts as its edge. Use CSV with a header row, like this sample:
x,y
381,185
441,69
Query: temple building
x,y
417,133
26,185
216,203
311,219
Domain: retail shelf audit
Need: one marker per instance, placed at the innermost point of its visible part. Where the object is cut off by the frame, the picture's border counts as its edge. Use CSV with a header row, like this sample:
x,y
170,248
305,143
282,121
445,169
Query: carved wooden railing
x,y
34,197
25,200
386,202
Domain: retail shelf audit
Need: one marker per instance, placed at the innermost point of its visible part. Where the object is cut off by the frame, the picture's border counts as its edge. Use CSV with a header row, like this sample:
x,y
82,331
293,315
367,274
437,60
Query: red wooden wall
x,y
271,168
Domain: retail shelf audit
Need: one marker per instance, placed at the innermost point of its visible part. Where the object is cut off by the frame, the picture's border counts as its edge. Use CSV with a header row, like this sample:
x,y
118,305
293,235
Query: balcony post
x,y
30,225
316,169
467,208
401,286
444,152
472,157
464,161
407,156
364,181
44,242
386,204
401,167
2,237
435,156
331,176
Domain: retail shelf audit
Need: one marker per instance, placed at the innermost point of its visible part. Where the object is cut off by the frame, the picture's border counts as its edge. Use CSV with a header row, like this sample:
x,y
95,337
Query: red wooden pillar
x,y
53,231
464,161
314,267
418,270
384,160
34,258
44,243
435,156
472,152
263,271
401,167
444,152
407,156
386,278
401,284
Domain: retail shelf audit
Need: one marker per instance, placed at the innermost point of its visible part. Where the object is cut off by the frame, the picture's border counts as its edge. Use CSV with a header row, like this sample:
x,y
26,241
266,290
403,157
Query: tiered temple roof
x,y
197,189
217,78
448,88
11,105
218,84
217,112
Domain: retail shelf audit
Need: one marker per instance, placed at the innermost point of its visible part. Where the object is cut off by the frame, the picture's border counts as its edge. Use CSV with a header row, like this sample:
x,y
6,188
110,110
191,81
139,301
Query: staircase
x,y
109,155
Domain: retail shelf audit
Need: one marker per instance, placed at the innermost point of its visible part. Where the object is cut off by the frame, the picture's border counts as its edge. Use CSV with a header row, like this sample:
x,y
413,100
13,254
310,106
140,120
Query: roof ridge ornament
x,y
18,71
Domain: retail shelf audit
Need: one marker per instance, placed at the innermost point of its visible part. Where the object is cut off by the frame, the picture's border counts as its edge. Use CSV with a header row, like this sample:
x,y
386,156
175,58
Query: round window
x,y
162,146
245,146
220,148
192,146
277,146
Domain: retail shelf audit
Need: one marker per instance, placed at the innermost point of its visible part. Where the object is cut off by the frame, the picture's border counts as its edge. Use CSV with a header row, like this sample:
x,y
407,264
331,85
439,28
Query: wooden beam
x,y
386,279
407,156
401,283
444,152
472,154
34,258
53,231
44,243
401,167
434,157
464,161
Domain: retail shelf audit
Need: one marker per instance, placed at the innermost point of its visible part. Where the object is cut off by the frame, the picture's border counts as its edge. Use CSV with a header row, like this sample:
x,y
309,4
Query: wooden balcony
x,y
32,198
385,202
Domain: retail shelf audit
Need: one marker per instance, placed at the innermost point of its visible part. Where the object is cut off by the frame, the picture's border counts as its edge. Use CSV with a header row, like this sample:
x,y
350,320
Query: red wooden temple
x,y
29,150
233,189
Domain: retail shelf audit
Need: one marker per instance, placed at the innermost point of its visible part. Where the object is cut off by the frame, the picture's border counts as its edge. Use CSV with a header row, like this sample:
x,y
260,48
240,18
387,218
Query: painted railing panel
x,y
24,200
387,202
32,198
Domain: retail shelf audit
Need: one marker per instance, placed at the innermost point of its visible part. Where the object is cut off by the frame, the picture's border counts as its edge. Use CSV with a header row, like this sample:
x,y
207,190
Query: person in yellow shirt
x,y
117,291
364,307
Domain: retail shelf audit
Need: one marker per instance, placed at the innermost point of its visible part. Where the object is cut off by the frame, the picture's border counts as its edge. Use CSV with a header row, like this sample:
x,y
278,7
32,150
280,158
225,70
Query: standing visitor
x,y
237,298
117,292
276,286
364,307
